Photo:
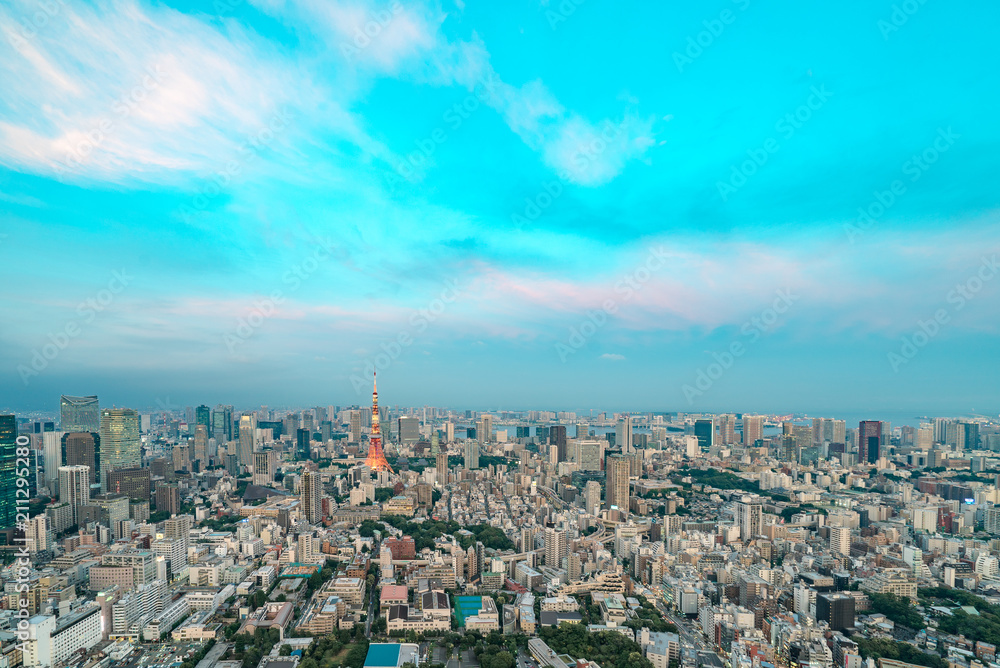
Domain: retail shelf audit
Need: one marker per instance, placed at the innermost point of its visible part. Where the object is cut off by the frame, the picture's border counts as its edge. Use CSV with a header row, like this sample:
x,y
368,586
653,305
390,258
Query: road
x,y
371,603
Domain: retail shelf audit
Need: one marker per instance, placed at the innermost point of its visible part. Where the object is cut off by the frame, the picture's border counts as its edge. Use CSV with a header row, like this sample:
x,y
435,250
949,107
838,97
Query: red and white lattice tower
x,y
376,455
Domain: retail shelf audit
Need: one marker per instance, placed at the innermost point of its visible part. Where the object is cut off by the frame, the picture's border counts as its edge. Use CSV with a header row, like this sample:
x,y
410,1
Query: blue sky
x,y
575,205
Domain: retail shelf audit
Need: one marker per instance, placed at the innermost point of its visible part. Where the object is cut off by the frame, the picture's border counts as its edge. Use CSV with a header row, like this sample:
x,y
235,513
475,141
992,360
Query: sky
x,y
726,205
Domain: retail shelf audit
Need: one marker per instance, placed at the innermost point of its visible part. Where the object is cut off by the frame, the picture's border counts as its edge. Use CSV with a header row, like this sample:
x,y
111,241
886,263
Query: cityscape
x,y
538,334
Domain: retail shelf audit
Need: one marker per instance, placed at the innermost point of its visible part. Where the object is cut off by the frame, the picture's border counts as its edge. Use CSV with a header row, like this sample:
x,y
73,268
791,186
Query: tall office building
x,y
623,434
79,414
201,443
472,454
52,459
222,423
203,416
311,490
836,609
557,437
120,445
354,435
486,430
265,465
869,441
750,518
302,448
617,483
449,432
248,427
408,429
589,454
74,487
753,429
135,483
704,430
8,468
727,428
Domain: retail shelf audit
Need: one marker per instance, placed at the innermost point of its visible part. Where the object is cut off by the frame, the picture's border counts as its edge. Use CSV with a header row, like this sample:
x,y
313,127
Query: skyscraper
x,y
617,484
592,496
556,547
79,413
753,429
557,436
203,416
265,464
248,425
727,428
623,434
52,458
74,487
705,431
82,448
8,469
749,516
222,423
442,468
310,493
869,440
120,445
472,454
302,439
201,442
409,429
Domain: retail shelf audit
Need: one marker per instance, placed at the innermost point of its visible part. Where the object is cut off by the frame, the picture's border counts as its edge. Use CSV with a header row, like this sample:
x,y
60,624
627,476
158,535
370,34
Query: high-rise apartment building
x,y
79,414
840,540
556,547
617,484
749,516
74,488
311,491
753,429
727,428
120,445
592,496
471,454
623,434
441,464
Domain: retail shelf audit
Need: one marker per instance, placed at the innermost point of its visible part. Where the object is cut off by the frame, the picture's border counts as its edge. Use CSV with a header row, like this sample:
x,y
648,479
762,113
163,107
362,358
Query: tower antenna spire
x,y
376,460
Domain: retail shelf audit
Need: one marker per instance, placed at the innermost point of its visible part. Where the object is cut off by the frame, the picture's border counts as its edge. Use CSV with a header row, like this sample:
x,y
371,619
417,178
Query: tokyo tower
x,y
376,455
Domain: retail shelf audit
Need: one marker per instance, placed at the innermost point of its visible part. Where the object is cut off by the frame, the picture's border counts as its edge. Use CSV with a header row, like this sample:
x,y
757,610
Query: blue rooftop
x,y
382,655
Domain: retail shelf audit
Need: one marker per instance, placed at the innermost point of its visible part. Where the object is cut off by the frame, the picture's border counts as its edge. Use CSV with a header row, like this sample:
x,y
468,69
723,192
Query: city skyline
x,y
493,212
